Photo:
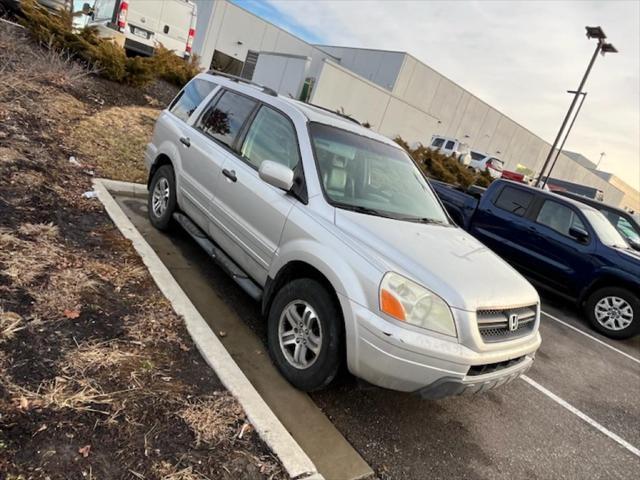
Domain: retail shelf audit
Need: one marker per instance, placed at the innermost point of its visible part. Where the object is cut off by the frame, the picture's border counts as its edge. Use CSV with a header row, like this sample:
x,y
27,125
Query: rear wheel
x,y
305,334
162,197
614,312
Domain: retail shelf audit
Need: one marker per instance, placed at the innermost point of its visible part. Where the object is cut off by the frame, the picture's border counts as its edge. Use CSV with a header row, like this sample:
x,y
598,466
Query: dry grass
x,y
88,358
213,419
57,394
10,324
165,471
114,141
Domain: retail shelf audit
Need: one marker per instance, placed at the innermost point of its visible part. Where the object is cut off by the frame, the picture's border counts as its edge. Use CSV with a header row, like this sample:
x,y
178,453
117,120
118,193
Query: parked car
x,y
53,5
624,222
560,244
483,162
142,24
335,231
451,146
515,176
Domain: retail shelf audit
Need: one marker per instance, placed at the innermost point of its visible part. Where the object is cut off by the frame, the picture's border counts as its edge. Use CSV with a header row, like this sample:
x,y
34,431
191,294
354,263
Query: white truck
x,y
140,25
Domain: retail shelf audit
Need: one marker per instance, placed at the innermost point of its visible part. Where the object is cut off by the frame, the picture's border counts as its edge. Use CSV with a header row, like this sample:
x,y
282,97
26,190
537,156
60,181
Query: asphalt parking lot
x,y
575,415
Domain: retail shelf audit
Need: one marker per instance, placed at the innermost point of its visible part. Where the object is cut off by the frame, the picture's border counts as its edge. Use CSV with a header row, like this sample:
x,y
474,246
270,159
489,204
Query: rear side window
x,y
190,98
559,217
437,142
514,200
271,137
477,156
223,119
449,145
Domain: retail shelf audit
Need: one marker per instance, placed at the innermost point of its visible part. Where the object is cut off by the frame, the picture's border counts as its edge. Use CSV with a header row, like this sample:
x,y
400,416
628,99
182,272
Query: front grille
x,y
494,324
492,367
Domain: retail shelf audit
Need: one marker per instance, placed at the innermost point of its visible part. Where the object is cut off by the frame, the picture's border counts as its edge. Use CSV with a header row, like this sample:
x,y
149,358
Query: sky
x,y
519,56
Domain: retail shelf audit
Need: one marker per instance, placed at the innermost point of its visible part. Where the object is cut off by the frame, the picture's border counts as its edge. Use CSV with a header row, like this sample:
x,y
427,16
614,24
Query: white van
x,y
483,162
146,23
451,146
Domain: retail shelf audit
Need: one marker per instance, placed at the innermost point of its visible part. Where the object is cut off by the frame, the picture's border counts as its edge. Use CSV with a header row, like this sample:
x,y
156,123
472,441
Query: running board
x,y
222,259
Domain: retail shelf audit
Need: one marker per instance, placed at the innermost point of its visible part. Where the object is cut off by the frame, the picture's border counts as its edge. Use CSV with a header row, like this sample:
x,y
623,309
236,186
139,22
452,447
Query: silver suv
x,y
337,233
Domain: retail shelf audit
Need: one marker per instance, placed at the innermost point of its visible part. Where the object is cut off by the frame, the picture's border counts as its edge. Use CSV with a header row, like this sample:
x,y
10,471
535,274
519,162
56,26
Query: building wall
x,y
283,73
338,88
378,66
225,27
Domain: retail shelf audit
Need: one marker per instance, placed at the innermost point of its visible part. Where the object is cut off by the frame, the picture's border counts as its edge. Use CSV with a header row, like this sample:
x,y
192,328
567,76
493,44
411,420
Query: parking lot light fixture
x,y
601,47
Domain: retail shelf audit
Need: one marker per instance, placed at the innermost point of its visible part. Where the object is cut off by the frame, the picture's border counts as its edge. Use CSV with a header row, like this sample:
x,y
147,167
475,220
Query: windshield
x,y
365,175
605,231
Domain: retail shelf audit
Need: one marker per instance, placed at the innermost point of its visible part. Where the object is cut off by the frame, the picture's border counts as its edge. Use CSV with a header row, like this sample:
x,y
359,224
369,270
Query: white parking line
x,y
582,415
630,357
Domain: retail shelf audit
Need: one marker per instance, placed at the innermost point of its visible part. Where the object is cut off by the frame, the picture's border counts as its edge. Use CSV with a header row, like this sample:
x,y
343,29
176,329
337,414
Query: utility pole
x,y
592,32
584,95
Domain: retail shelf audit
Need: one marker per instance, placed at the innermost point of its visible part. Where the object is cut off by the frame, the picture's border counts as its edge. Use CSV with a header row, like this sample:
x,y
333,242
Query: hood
x,y
446,260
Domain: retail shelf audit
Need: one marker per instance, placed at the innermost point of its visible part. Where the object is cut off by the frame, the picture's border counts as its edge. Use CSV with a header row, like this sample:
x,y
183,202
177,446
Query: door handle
x,y
230,174
186,141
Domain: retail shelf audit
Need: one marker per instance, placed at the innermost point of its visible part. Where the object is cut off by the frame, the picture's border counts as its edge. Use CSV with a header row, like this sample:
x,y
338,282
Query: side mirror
x,y
579,234
86,9
276,174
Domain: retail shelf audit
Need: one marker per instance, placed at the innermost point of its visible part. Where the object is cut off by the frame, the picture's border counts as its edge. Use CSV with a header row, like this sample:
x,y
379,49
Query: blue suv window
x,y
514,200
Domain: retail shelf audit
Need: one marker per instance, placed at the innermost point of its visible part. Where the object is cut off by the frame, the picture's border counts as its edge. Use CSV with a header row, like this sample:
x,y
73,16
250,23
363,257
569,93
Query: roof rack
x,y
235,78
335,112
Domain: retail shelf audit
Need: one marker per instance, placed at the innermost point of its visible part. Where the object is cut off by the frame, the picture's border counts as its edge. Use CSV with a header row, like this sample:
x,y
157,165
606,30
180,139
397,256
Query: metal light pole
x,y
584,95
592,32
601,155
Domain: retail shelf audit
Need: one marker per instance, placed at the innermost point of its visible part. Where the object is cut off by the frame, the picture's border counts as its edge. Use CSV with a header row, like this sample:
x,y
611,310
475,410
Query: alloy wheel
x,y
300,334
613,313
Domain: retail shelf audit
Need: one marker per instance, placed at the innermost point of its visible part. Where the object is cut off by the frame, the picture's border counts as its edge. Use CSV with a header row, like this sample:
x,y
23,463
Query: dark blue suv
x,y
560,244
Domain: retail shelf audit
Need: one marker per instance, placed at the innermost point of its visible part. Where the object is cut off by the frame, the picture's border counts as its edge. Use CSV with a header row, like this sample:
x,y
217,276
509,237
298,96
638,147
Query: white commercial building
x,y
394,92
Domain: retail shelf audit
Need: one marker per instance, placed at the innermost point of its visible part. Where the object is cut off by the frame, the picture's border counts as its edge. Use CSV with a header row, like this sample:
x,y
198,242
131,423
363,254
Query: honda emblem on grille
x,y
513,322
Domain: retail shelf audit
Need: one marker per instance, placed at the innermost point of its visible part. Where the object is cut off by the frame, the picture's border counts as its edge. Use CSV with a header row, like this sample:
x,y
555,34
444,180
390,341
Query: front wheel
x,y
162,197
614,312
305,334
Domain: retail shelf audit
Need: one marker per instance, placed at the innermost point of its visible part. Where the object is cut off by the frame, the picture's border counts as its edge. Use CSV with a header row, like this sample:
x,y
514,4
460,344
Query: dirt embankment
x,y
98,376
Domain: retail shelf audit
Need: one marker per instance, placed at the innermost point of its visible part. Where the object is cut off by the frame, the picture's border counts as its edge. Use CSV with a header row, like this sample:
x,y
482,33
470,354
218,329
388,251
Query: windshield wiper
x,y
431,221
361,209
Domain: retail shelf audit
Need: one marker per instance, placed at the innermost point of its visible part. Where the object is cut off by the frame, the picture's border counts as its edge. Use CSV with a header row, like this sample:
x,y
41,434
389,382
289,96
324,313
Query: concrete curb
x,y
293,458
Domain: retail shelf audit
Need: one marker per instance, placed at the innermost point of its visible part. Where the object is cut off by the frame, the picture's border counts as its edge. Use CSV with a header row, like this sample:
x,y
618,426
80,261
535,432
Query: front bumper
x,y
448,386
415,360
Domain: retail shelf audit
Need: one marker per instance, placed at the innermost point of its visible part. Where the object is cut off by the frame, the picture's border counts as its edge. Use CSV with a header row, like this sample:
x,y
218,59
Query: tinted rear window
x,y
514,200
224,119
437,142
190,98
449,145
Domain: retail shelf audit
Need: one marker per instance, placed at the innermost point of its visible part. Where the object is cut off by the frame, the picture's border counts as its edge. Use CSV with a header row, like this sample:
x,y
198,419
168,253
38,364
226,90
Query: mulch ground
x,y
98,377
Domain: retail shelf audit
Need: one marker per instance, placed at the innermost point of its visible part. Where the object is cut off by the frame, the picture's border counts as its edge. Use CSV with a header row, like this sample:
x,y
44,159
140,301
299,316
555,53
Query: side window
x,y
437,142
449,145
514,200
477,156
223,119
190,97
626,229
559,217
271,137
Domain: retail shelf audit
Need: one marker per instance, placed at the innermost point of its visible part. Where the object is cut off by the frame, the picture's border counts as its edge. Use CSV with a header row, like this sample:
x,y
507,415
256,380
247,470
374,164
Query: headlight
x,y
408,302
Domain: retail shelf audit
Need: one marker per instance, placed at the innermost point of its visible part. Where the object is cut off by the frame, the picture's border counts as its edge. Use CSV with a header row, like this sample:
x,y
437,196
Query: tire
x,y
160,215
317,309
614,312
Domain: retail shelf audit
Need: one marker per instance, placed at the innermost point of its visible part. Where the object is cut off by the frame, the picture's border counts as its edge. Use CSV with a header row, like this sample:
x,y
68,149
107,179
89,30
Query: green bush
x,y
444,168
55,31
